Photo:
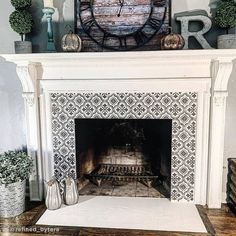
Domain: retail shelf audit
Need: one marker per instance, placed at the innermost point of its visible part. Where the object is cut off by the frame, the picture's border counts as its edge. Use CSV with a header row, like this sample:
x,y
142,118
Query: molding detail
x,y
29,98
221,71
219,98
23,71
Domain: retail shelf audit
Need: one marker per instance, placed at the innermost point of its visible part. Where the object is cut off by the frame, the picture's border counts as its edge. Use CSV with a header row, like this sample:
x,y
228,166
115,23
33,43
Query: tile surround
x,y
180,107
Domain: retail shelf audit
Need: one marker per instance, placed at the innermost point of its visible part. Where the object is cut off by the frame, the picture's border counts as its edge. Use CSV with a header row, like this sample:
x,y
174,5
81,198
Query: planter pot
x,y
12,199
227,41
23,47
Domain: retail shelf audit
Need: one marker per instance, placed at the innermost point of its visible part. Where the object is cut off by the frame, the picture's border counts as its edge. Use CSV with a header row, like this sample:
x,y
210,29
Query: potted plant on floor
x,y
225,17
21,21
15,168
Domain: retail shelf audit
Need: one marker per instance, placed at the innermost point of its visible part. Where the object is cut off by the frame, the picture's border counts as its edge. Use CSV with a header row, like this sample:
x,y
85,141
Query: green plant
x,y
21,4
21,22
21,19
225,15
14,167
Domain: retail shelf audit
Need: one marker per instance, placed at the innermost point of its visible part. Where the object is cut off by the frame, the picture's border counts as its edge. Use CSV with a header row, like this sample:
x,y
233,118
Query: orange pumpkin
x,y
172,42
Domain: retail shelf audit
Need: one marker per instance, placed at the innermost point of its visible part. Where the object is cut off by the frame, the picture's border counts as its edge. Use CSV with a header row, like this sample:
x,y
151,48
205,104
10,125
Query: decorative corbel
x,y
29,98
221,71
219,98
29,74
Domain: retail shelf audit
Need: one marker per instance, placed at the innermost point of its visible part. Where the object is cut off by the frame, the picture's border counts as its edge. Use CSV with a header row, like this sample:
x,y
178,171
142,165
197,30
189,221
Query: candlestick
x,y
48,12
48,3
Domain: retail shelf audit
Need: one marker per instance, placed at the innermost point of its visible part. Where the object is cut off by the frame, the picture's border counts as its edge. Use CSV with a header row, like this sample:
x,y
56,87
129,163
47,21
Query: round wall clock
x,y
122,25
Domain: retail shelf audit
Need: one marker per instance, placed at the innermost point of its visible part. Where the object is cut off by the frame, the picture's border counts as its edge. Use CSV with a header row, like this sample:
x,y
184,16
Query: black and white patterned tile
x,y
180,107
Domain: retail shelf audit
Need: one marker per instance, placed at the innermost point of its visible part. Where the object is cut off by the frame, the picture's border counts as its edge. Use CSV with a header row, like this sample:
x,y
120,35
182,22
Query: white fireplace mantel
x,y
204,71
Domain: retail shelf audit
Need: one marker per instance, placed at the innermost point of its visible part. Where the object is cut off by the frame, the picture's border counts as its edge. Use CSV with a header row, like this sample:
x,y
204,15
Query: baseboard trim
x,y
224,196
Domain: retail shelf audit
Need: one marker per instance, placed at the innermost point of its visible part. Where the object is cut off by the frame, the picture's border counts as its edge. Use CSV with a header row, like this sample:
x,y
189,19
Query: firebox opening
x,y
124,157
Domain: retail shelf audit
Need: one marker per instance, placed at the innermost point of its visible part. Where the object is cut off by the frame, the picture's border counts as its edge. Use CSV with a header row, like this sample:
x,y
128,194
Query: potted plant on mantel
x,y
21,21
15,168
225,17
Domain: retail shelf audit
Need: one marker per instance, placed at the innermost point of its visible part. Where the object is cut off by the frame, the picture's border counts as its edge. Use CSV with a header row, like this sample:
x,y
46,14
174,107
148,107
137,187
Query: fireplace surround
x,y
189,87
180,107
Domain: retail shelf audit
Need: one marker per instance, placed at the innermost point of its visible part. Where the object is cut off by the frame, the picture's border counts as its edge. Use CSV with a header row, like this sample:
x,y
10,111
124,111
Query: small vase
x,y
71,192
53,198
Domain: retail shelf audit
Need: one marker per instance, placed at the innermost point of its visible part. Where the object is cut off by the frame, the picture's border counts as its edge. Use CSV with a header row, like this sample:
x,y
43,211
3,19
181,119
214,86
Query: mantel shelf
x,y
124,65
180,54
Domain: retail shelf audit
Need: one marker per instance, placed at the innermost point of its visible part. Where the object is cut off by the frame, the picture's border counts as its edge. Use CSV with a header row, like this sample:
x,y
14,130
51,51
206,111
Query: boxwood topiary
x,y
21,22
14,167
21,4
225,15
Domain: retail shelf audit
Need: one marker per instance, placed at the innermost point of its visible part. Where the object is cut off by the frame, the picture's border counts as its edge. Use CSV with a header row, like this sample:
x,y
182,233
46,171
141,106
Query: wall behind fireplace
x,y
12,126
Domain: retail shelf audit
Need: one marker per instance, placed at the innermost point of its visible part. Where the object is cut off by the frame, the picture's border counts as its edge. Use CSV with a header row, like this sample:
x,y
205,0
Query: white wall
x,y
230,129
188,5
8,36
12,127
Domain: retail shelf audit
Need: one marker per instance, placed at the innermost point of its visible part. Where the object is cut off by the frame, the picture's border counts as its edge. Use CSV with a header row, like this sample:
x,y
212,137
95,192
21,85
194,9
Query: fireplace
x,y
188,87
124,157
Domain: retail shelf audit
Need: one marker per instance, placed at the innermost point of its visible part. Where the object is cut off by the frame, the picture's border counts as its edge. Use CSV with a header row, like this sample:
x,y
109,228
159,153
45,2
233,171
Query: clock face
x,y
122,24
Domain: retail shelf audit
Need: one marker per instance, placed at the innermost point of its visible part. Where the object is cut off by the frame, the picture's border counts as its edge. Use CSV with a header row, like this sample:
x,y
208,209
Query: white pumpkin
x,y
53,198
71,191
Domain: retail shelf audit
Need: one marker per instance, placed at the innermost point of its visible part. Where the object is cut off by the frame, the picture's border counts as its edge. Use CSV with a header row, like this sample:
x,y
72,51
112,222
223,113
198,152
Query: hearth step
x,y
125,173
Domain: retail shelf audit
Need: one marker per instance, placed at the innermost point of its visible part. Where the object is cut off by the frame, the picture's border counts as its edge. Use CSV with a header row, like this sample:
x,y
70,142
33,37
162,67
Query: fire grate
x,y
117,172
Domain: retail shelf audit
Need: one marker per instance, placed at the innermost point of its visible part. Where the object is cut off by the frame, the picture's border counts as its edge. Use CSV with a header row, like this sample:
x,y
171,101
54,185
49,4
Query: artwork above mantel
x,y
122,25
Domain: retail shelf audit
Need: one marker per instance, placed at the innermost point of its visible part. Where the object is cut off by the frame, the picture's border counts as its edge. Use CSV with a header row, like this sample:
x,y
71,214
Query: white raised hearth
x,y
189,86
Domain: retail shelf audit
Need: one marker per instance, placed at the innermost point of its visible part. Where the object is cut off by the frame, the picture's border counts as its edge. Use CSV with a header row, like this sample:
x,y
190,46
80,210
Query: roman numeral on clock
x,y
154,23
159,3
140,37
87,24
85,5
105,36
123,42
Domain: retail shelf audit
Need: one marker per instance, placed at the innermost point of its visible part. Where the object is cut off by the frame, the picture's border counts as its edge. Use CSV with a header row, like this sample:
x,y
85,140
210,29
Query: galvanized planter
x,y
226,41
23,47
12,199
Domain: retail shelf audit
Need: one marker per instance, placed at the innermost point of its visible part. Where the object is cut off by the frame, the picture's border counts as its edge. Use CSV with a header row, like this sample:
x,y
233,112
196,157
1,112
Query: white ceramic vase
x,y
53,198
71,191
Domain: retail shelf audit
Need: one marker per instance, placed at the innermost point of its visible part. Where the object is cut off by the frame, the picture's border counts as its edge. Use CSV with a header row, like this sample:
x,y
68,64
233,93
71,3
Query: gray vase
x,y
23,47
53,199
12,199
226,41
71,191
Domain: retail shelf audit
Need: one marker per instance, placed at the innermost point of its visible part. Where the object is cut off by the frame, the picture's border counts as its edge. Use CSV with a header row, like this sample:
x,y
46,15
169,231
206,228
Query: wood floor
x,y
218,222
